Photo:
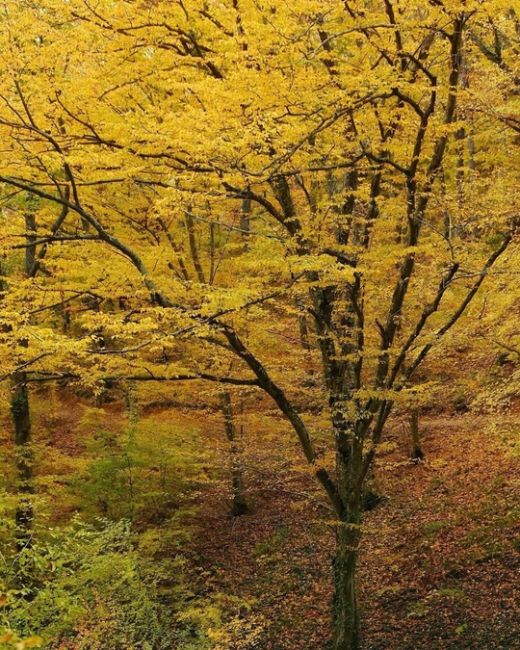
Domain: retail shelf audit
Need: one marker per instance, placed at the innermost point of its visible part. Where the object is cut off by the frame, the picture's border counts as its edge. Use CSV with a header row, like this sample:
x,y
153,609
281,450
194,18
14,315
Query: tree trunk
x,y
349,472
417,453
194,250
22,438
304,332
30,251
245,222
346,611
239,503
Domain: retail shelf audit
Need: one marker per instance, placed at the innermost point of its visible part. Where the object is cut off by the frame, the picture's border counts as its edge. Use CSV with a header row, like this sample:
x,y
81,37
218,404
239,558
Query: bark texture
x,y
239,503
22,438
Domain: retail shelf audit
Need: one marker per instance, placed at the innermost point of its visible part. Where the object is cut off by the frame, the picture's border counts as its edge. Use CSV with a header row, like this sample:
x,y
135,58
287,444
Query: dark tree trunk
x,y
304,332
349,472
30,251
346,611
239,503
194,250
417,453
245,222
22,438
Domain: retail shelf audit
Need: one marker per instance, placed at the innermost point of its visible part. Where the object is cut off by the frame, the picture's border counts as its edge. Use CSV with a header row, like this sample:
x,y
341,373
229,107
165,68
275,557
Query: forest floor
x,y
440,565
440,561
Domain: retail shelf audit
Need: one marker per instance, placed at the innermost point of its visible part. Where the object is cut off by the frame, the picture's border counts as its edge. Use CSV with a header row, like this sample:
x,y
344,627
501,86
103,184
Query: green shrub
x,y
143,473
85,583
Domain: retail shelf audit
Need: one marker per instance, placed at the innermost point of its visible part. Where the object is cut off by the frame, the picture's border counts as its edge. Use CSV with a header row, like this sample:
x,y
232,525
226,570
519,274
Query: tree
x,y
22,429
21,417
151,125
239,505
417,453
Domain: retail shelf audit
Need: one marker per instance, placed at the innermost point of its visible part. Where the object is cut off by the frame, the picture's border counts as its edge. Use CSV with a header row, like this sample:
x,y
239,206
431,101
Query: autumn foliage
x,y
245,247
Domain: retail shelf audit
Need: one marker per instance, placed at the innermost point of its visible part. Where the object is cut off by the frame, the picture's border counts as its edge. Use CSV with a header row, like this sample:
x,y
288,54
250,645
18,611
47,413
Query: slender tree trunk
x,y
349,465
417,453
304,331
22,438
239,503
194,250
245,222
30,251
346,611
132,411
347,634
21,418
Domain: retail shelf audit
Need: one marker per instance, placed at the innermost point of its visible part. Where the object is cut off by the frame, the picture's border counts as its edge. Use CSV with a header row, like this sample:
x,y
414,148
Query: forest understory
x,y
441,560
432,577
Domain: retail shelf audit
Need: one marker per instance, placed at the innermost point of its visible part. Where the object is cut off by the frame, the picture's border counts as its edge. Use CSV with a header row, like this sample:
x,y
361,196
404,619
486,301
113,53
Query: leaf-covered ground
x,y
440,566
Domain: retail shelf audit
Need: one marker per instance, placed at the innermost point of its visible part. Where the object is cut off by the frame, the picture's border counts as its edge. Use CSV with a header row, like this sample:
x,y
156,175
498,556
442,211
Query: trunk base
x,y
346,613
239,508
